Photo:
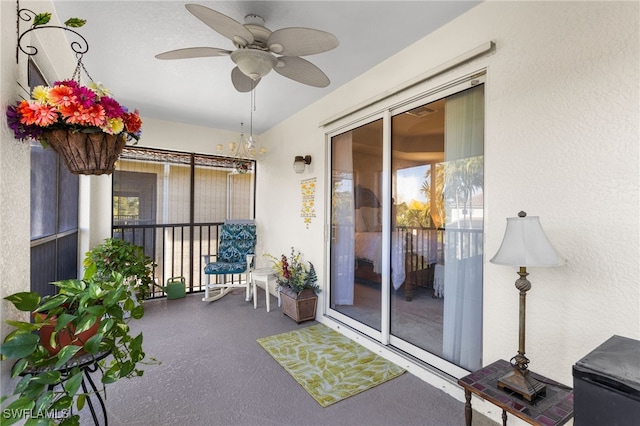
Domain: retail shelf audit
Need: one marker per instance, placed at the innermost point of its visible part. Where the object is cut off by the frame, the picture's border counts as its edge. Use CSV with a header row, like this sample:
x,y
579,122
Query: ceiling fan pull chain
x,y
253,108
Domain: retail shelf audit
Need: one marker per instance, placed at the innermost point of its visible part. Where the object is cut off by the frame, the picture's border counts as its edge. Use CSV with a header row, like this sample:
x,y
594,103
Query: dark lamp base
x,y
523,384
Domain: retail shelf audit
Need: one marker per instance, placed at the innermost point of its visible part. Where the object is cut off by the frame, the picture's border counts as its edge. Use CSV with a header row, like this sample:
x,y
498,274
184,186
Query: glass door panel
x,y
356,224
437,187
417,150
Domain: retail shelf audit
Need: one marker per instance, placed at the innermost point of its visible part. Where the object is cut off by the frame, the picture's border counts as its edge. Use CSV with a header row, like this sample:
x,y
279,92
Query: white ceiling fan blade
x,y
241,82
297,41
302,71
228,27
193,52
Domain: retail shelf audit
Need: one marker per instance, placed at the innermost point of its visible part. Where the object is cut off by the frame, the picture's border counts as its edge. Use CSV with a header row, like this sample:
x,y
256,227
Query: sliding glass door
x,y
407,227
356,224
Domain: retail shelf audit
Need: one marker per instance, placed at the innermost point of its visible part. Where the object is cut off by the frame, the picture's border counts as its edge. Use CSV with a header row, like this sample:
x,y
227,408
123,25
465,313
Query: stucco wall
x,y
562,129
561,142
14,171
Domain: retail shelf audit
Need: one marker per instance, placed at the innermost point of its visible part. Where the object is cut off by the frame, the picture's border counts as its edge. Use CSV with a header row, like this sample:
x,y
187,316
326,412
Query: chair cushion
x,y
225,268
235,250
236,242
237,232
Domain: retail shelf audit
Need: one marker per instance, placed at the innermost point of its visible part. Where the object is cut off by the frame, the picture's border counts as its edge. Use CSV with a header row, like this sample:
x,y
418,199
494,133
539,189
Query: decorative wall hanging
x,y
83,124
308,210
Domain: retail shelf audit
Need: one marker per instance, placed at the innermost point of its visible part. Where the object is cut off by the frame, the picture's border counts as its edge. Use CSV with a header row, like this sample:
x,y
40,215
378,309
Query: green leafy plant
x,y
104,297
118,256
291,272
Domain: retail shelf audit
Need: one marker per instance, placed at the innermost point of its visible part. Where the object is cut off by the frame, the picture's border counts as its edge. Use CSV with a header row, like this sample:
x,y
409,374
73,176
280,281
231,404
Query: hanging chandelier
x,y
246,149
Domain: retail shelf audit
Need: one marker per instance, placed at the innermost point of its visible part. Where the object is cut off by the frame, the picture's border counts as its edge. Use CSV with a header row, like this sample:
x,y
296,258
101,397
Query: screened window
x,y
171,203
54,213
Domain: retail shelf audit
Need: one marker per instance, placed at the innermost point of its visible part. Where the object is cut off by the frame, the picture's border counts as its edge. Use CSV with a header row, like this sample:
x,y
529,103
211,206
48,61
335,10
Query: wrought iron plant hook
x,y
39,22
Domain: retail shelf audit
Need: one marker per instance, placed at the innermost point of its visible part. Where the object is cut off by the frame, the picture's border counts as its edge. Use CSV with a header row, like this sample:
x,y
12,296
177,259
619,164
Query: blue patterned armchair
x,y
236,251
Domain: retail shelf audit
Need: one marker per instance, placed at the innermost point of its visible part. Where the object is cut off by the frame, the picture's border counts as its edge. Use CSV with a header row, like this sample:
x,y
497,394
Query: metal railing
x,y
429,245
177,249
424,248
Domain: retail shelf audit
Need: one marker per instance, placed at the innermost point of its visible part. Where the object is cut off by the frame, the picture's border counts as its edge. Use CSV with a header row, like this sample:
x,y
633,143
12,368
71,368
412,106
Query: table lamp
x,y
524,245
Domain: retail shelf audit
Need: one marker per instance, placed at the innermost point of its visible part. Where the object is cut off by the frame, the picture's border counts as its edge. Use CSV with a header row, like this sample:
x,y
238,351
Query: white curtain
x,y
342,221
464,147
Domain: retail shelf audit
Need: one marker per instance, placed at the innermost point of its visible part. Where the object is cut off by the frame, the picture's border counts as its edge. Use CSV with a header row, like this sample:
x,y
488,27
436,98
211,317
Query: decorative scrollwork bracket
x,y
38,22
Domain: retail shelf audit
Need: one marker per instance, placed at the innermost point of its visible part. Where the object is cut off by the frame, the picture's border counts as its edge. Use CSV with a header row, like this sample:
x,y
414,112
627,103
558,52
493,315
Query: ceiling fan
x,y
257,47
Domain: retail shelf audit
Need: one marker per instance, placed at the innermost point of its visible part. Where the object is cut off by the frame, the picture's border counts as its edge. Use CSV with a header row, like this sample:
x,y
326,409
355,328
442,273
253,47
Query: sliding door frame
x,y
385,110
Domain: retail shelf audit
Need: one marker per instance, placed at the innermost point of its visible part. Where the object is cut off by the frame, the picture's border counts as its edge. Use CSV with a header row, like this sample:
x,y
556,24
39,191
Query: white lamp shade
x,y
525,244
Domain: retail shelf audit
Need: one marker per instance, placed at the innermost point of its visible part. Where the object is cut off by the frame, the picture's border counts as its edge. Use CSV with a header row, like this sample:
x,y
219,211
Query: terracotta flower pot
x,y
64,337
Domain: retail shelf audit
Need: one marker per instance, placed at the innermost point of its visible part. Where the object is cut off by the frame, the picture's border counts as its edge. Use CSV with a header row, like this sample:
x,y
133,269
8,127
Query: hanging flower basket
x,y
86,153
83,124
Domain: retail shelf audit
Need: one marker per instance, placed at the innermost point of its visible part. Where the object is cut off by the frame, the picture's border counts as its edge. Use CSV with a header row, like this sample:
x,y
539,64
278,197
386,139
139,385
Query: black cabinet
x,y
606,385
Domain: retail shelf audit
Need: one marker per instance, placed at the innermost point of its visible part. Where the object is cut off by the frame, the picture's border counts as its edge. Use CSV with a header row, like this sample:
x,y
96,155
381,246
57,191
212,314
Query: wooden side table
x,y
554,408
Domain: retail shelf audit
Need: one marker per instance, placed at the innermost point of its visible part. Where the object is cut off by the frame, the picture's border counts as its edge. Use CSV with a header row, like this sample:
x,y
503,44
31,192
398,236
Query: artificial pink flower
x,y
26,113
73,114
68,83
68,104
111,107
45,115
95,116
62,96
84,96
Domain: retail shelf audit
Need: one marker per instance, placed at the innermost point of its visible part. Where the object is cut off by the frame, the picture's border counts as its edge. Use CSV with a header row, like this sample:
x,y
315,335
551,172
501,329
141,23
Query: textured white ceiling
x,y
124,37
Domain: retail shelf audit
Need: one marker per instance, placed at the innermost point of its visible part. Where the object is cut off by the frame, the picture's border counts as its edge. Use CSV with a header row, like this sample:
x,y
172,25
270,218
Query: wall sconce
x,y
300,162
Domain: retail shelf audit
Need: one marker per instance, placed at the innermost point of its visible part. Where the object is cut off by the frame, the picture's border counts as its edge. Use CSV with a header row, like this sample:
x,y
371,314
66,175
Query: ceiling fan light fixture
x,y
254,63
257,47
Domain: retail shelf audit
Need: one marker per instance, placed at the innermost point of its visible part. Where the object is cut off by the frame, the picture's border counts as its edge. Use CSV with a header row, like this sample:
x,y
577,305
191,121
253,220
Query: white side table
x,y
264,278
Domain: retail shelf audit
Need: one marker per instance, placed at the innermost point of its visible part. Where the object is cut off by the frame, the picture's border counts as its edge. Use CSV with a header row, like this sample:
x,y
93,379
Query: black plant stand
x,y
87,363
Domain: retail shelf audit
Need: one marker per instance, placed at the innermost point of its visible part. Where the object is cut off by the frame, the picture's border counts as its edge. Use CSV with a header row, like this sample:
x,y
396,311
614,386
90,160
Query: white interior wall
x,y
183,137
561,142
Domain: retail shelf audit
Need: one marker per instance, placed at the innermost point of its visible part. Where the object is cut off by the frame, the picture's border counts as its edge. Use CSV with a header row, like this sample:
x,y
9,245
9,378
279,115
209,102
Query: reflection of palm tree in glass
x,y
342,200
414,214
456,182
435,205
418,214
462,179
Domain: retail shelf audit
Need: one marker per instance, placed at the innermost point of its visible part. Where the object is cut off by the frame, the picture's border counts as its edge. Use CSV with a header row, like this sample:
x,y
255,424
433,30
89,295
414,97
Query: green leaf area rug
x,y
328,365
